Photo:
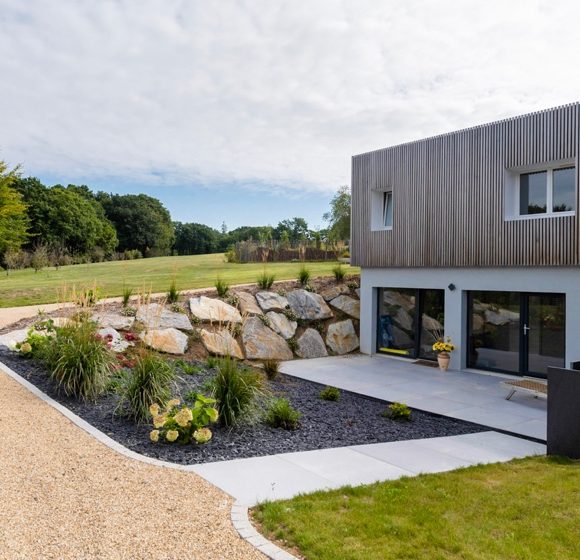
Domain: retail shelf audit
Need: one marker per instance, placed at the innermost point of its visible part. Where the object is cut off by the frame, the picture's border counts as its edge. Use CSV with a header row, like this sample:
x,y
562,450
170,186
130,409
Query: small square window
x,y
388,209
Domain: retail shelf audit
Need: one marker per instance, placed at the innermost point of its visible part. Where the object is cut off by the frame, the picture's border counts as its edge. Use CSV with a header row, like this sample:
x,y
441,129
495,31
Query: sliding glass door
x,y
514,332
409,321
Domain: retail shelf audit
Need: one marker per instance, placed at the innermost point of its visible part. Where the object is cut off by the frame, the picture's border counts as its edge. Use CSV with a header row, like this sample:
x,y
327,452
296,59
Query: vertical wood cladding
x,y
448,194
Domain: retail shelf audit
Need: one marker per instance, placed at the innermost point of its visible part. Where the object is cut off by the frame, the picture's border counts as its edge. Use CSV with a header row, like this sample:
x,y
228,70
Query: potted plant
x,y
443,347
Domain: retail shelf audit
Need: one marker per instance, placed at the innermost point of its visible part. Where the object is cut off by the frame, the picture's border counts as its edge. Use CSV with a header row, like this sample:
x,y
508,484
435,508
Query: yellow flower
x,y
154,409
183,417
172,403
25,348
154,436
203,435
159,421
171,435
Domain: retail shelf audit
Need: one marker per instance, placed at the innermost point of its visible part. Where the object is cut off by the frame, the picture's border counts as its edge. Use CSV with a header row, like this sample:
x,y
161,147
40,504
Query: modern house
x,y
475,233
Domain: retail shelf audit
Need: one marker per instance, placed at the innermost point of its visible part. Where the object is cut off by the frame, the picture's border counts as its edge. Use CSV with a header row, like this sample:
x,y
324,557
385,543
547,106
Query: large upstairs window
x,y
548,192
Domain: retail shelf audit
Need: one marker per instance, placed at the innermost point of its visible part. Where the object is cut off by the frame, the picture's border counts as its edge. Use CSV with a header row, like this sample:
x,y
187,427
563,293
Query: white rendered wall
x,y
548,280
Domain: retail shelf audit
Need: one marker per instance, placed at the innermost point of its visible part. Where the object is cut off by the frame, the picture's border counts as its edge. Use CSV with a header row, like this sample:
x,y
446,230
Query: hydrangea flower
x,y
154,436
171,435
203,435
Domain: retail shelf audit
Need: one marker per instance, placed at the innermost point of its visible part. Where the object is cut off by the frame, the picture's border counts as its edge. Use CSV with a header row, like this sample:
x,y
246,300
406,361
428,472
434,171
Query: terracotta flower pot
x,y
443,359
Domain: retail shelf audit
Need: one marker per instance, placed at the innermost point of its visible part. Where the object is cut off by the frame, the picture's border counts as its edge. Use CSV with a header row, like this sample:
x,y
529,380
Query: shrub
x,y
281,414
271,368
148,382
172,294
330,394
339,272
187,368
80,361
212,362
292,344
86,298
183,424
303,275
39,258
265,281
127,293
235,392
37,342
398,411
222,287
132,254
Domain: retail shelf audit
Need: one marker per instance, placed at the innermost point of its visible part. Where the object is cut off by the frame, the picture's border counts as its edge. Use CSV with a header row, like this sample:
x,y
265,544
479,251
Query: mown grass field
x,y
527,510
25,287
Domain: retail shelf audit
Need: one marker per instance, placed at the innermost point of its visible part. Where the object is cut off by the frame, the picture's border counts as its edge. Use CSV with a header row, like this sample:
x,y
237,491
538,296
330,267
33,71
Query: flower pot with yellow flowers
x,y
443,347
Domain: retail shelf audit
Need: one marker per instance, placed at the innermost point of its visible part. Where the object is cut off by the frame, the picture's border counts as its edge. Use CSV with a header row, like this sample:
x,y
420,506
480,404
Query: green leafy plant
x,y
177,423
339,272
281,414
303,275
292,344
148,382
330,394
176,307
235,391
271,368
173,293
398,411
222,287
126,297
212,362
188,368
265,280
79,360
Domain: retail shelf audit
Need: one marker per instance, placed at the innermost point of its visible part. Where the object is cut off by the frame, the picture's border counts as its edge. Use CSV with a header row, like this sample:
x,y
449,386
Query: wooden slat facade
x,y
448,194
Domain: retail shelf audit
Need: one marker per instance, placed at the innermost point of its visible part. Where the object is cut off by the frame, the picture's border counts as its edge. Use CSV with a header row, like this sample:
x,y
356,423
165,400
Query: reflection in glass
x,y
533,190
432,320
495,331
564,189
546,334
396,321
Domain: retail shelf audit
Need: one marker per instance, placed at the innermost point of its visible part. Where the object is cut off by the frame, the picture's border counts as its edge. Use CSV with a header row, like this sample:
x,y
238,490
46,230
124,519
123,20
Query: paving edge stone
x,y
242,524
239,512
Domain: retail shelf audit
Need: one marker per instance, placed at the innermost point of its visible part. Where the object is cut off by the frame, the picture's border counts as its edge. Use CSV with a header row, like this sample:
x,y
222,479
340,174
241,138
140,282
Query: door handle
x,y
526,329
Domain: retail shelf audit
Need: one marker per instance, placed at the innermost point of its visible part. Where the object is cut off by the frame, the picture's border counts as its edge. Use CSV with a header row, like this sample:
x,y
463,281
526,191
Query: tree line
x,y
60,225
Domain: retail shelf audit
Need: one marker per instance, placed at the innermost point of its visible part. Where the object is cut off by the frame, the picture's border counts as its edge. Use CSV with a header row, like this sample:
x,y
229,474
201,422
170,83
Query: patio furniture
x,y
527,385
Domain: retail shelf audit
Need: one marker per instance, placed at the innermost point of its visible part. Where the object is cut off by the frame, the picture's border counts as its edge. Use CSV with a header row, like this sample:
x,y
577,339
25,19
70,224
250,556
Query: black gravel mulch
x,y
353,420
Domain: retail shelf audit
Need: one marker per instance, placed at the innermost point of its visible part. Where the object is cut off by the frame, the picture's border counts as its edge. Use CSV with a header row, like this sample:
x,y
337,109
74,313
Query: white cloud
x,y
263,91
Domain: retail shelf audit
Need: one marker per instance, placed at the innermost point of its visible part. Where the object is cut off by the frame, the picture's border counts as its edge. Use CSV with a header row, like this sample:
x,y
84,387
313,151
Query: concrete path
x,y
65,495
282,476
466,395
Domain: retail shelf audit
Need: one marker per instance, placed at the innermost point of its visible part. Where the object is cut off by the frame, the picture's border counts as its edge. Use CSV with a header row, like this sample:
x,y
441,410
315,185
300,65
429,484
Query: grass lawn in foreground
x,y
25,287
525,509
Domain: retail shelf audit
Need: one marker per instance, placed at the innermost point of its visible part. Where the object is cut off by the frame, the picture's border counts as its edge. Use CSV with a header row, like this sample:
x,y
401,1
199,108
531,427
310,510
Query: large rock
x,y
431,324
14,337
248,304
334,291
281,324
213,310
501,317
221,343
311,345
271,301
114,320
169,340
347,305
308,306
155,316
341,337
118,343
262,343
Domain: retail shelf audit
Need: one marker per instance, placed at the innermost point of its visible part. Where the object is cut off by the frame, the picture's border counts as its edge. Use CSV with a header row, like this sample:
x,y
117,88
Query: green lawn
x,y
526,509
25,287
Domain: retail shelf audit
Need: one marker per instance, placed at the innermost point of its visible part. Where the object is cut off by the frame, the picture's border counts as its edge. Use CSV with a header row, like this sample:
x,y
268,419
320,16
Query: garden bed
x,y
353,420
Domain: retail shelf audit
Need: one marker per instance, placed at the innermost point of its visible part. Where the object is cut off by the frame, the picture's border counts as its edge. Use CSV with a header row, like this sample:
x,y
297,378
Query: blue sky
x,y
248,111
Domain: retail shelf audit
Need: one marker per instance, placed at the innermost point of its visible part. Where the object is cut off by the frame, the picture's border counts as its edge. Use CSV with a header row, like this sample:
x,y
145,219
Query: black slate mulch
x,y
353,420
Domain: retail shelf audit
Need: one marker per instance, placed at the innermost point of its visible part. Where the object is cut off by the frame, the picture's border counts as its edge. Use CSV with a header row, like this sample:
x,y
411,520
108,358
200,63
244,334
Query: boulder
x,y
334,292
341,337
281,324
347,305
113,320
431,324
14,337
169,340
357,292
271,301
213,310
501,317
118,343
221,343
155,316
404,320
311,345
262,343
248,304
308,306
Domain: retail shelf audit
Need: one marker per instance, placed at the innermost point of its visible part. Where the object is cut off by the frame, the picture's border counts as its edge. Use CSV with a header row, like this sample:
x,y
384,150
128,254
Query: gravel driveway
x,y
64,495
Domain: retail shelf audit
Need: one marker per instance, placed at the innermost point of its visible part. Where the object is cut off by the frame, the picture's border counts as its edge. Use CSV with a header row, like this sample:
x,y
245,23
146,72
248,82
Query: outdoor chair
x,y
536,387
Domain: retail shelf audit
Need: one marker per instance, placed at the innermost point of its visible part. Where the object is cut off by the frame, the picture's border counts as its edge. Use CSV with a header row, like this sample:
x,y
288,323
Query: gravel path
x,y
64,495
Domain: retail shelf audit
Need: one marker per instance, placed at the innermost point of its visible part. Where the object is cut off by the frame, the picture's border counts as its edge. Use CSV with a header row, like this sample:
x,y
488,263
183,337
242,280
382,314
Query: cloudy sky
x,y
249,111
